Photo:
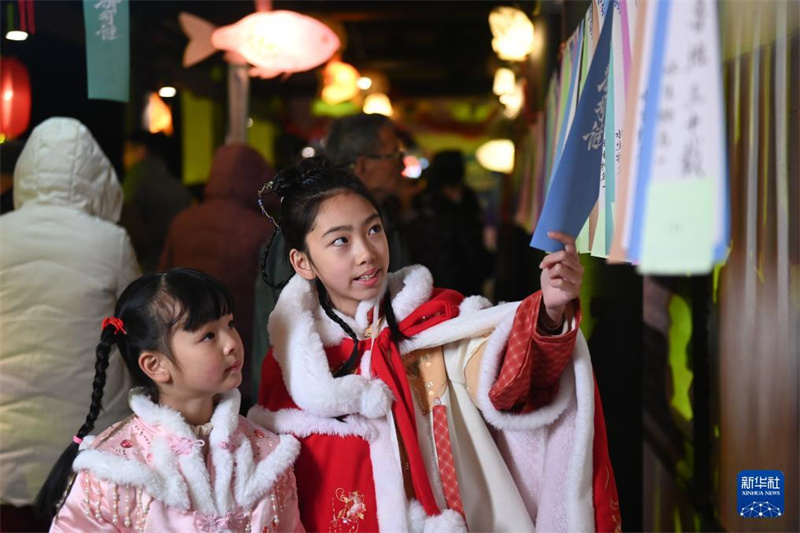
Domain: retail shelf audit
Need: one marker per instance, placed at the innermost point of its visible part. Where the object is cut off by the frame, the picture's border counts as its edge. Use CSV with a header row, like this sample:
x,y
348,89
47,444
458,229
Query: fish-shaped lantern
x,y
273,42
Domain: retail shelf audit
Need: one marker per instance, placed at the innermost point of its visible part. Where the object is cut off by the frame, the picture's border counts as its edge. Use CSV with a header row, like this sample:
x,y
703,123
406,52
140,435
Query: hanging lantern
x,y
512,33
341,82
378,103
504,80
158,116
513,100
15,98
496,155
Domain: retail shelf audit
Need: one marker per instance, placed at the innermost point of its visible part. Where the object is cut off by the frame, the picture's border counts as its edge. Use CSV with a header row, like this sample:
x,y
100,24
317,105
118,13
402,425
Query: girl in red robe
x,y
419,409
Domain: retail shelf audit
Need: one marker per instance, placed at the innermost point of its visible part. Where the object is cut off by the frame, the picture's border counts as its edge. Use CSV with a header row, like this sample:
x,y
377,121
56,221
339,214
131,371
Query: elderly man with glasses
x,y
369,145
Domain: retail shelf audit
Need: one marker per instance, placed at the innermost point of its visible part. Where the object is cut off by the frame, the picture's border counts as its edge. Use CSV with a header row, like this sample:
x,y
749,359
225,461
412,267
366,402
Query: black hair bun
x,y
303,175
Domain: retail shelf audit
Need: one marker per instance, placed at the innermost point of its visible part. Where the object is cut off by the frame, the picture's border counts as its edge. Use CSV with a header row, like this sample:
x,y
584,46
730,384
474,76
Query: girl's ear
x,y
301,264
156,367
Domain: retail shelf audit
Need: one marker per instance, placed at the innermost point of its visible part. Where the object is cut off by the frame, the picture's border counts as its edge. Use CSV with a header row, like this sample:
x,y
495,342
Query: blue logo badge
x,y
760,494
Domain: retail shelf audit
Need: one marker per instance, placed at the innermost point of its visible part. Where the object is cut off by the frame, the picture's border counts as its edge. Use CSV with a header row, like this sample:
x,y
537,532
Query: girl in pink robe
x,y
185,460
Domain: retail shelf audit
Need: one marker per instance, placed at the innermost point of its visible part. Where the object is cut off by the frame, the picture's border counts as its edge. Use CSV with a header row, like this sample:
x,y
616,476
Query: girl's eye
x,y
341,241
231,325
377,228
209,336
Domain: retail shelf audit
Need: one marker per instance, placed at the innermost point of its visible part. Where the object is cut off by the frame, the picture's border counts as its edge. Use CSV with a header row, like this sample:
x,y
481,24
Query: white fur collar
x,y
183,479
223,420
300,330
409,288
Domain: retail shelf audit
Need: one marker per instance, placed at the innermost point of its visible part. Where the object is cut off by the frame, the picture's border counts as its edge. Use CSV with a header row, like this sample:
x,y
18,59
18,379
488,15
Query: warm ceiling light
x,y
378,103
167,92
364,83
512,33
16,35
513,101
504,80
496,155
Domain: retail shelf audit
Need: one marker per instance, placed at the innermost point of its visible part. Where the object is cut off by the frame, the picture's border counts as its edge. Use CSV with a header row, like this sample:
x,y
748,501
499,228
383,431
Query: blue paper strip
x,y
576,178
107,49
649,125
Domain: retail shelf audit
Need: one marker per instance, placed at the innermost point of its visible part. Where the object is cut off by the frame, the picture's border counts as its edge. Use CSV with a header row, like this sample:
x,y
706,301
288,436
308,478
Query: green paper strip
x,y
107,49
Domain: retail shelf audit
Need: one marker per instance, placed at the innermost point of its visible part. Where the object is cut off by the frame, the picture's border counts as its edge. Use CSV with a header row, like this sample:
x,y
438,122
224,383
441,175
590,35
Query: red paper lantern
x,y
15,98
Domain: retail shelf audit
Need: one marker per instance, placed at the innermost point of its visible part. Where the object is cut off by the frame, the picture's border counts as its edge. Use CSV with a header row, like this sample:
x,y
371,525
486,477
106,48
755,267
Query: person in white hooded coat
x,y
63,263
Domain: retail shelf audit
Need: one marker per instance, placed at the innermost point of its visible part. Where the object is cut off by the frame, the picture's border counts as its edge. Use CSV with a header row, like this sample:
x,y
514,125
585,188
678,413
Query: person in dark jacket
x,y
221,236
153,196
370,146
445,228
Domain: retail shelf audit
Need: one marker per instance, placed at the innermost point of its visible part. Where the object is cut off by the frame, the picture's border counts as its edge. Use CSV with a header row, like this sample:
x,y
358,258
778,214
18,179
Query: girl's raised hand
x,y
562,275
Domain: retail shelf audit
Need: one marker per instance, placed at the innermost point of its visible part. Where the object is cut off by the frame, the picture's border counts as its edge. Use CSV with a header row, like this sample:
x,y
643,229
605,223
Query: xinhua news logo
x,y
760,494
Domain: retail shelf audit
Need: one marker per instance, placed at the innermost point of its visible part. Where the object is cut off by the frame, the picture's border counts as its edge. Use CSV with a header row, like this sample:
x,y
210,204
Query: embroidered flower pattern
x,y
225,445
184,446
351,512
212,523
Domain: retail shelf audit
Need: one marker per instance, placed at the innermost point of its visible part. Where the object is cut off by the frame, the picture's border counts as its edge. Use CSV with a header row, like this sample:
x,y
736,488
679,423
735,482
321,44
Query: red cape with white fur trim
x,y
549,467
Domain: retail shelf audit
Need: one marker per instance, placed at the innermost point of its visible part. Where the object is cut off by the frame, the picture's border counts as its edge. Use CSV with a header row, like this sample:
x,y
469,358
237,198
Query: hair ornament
x,y
267,187
116,322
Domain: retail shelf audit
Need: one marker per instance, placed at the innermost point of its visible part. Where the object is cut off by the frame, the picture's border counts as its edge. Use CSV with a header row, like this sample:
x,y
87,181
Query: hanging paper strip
x,y
571,65
636,100
550,144
620,64
683,225
587,49
107,49
598,241
575,184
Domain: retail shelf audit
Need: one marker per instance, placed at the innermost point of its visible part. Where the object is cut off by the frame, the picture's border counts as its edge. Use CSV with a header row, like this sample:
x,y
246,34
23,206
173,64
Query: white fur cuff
x,y
448,521
376,399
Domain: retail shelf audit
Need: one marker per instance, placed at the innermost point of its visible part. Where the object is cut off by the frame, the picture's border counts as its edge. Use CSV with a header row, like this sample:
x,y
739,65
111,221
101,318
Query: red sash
x,y
387,364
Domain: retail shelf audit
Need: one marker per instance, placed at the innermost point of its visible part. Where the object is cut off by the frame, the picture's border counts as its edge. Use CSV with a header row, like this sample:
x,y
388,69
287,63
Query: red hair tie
x,y
116,322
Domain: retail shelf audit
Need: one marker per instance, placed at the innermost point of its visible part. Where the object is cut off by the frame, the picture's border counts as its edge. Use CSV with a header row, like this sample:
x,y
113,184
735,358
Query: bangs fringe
x,y
192,298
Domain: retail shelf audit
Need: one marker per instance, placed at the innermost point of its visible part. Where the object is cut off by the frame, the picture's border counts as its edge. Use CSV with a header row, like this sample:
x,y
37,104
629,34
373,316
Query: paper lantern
x,y
513,100
504,80
341,82
274,42
15,98
158,116
496,155
378,103
512,33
